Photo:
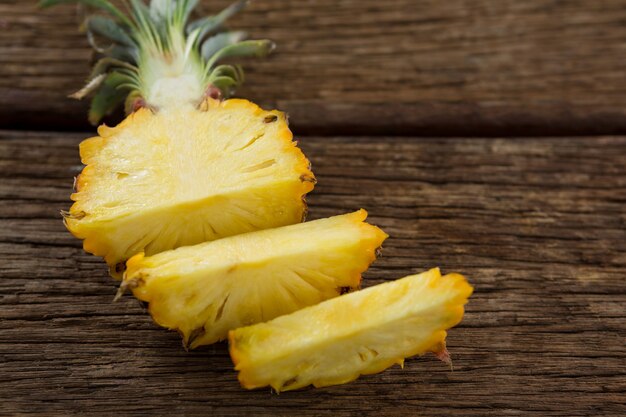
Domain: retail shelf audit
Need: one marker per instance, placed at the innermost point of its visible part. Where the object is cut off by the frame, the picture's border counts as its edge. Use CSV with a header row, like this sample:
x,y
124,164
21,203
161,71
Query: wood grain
x,y
538,226
413,67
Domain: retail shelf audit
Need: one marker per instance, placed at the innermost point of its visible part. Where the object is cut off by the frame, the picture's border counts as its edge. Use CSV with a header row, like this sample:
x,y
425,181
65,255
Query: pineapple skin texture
x,y
356,334
203,291
133,196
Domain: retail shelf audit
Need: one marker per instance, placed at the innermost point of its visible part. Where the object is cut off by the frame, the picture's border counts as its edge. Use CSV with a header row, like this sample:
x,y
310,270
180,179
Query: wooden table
x,y
538,224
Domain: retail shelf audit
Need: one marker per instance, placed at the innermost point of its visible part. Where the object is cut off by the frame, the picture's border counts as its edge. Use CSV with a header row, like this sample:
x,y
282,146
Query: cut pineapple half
x,y
361,333
204,291
185,176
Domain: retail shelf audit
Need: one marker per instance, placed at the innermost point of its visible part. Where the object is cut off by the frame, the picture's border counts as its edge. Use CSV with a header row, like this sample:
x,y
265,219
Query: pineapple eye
x,y
290,382
120,267
270,119
345,290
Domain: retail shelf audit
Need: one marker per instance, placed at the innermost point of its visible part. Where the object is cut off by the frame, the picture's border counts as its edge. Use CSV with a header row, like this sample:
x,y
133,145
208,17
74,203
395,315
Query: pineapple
x,y
203,291
184,167
356,334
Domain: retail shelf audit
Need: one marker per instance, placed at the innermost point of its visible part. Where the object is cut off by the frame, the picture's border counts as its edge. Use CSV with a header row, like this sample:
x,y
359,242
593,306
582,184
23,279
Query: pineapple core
x,y
183,176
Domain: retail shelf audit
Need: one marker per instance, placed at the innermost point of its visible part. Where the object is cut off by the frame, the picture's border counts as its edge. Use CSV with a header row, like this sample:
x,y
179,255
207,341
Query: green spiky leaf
x,y
101,4
122,53
109,97
108,28
94,44
105,64
92,85
243,49
233,71
147,29
186,7
213,44
211,24
160,10
140,11
226,84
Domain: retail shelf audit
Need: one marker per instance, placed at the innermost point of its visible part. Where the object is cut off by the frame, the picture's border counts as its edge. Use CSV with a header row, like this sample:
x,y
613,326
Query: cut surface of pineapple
x,y
203,291
356,334
183,176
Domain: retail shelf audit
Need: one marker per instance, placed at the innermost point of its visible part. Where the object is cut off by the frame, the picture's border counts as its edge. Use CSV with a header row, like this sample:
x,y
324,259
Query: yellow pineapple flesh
x,y
356,334
203,291
184,176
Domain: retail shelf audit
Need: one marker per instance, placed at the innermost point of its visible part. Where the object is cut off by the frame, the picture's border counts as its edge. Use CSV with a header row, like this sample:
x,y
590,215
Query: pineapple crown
x,y
157,57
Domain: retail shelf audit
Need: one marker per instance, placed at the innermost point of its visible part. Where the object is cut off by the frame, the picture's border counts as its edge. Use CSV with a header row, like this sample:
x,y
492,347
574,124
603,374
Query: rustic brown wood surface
x,y
416,67
537,225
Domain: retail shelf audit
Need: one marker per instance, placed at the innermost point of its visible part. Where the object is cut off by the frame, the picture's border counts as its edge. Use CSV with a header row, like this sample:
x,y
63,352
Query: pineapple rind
x,y
357,334
118,213
203,291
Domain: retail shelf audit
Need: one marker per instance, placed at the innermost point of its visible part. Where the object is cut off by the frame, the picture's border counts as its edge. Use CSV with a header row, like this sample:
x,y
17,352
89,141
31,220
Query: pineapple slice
x,y
361,333
204,291
186,176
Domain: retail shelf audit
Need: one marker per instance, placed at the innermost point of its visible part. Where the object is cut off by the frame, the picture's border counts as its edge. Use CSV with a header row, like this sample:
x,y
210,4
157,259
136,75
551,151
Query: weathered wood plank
x,y
538,226
416,67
